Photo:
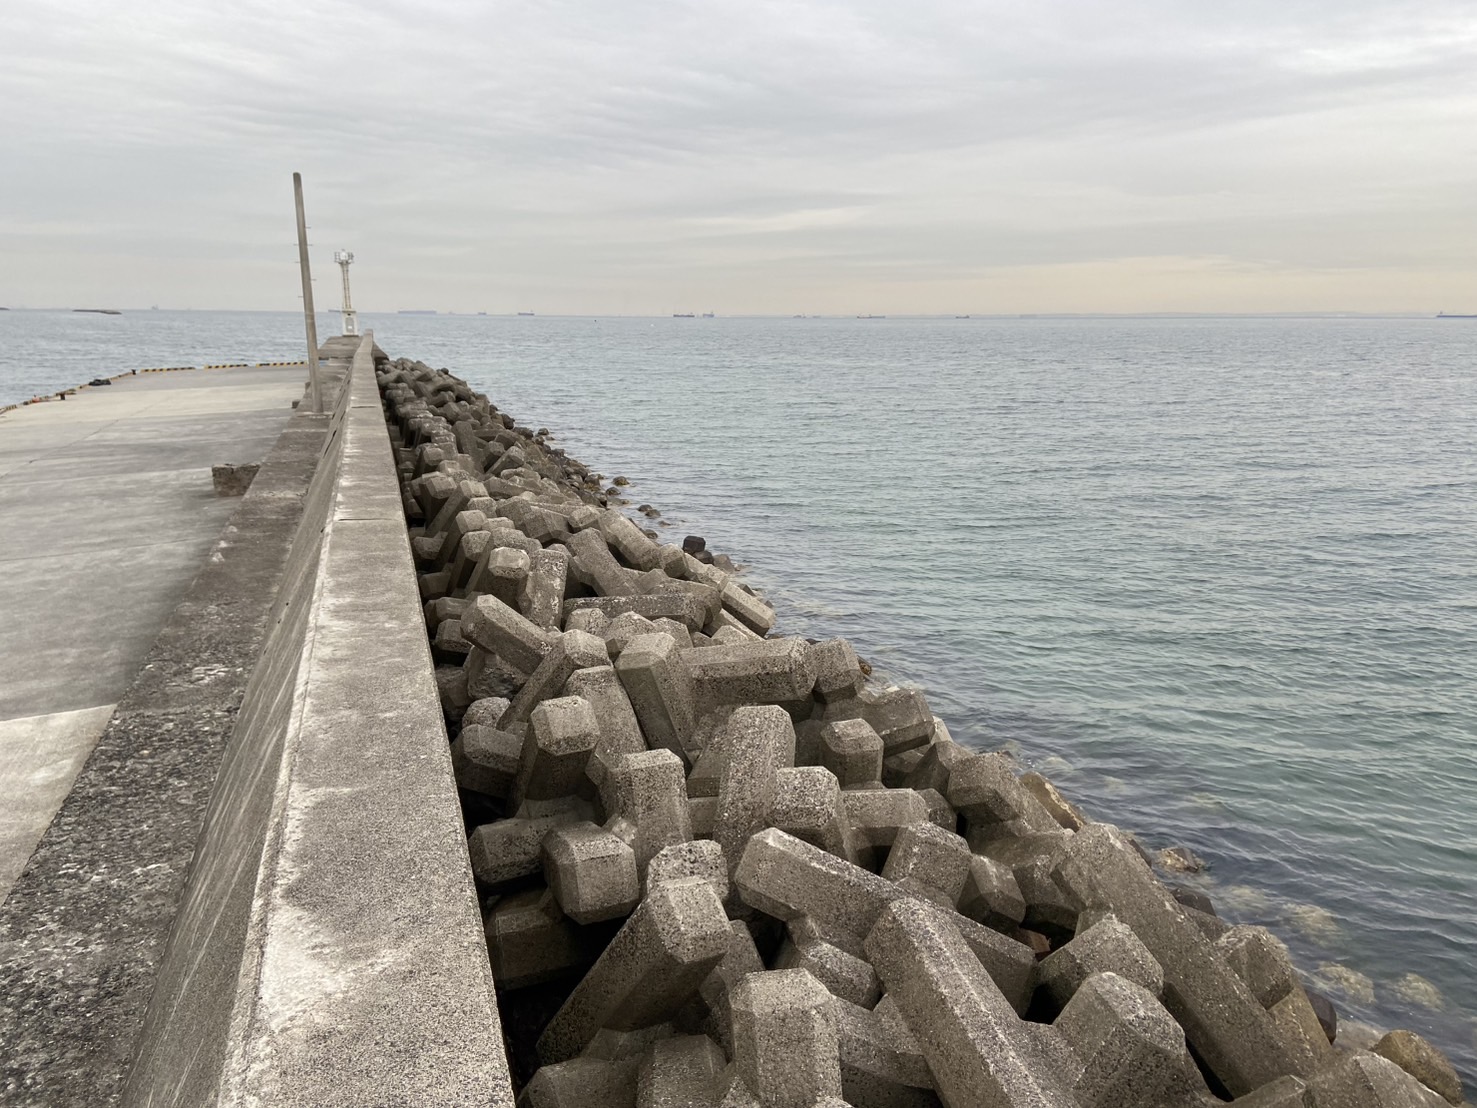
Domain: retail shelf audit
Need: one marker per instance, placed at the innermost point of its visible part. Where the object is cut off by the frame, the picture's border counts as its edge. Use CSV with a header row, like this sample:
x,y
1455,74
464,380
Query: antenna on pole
x,y
308,319
345,258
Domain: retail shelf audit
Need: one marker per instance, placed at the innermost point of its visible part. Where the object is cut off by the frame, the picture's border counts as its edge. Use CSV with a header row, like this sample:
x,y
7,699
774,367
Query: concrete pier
x,y
256,887
106,515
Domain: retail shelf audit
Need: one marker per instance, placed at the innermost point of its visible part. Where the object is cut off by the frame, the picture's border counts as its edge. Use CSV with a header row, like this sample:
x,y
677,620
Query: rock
x,y
1328,1016
1191,898
1423,1062
1067,814
1348,982
693,544
1180,859
621,482
1415,989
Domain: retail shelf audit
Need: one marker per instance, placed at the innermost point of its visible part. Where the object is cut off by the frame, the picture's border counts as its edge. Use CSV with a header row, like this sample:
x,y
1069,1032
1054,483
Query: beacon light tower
x,y
345,258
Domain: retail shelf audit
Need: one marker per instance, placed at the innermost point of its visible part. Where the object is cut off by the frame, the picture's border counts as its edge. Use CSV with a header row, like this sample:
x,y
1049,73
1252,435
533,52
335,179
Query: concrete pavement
x,y
106,513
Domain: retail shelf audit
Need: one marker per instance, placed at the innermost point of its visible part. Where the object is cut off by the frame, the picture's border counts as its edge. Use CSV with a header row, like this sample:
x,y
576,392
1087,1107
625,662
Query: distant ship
x,y
708,315
1454,315
871,317
683,315
525,313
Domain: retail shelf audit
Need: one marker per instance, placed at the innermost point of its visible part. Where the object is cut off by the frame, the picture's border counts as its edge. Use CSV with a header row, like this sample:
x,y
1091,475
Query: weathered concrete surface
x,y
83,929
39,760
329,949
110,492
106,512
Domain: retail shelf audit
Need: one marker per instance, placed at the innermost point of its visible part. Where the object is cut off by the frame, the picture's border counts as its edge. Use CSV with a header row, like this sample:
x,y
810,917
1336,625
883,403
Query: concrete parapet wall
x,y
329,948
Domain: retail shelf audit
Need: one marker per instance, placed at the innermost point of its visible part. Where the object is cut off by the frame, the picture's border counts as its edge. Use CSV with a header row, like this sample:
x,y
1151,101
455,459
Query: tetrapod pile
x,y
721,868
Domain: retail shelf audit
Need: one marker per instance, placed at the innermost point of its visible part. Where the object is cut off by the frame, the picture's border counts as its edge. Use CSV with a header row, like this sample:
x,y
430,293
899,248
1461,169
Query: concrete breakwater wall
x,y
327,948
718,867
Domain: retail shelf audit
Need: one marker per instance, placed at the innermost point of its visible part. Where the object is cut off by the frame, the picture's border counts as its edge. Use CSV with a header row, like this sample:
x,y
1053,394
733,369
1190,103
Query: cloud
x,y
751,157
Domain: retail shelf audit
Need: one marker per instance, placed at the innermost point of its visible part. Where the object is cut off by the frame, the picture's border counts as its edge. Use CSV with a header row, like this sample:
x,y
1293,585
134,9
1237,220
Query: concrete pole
x,y
309,318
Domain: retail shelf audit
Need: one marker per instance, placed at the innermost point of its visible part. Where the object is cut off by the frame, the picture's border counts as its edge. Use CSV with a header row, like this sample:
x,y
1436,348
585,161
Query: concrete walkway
x,y
106,514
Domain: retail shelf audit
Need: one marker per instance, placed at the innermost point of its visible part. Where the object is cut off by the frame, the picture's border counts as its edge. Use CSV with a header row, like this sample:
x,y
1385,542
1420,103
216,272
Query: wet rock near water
x,y
721,867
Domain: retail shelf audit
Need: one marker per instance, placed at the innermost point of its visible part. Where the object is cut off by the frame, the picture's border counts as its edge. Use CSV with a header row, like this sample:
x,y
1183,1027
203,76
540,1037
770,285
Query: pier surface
x,y
106,514
241,876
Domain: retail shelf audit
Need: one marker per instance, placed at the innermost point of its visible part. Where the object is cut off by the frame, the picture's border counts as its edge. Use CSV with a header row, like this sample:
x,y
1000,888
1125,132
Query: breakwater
x,y
718,866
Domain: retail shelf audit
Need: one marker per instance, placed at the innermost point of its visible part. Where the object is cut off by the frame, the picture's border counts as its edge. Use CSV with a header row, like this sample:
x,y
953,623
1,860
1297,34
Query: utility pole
x,y
345,258
309,320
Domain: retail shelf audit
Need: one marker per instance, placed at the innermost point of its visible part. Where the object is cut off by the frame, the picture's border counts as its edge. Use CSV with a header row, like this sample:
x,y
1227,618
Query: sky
x,y
653,157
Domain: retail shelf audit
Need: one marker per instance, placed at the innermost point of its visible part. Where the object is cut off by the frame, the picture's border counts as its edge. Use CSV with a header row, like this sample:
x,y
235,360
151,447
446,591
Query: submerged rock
x,y
1315,923
1415,989
1180,859
1350,982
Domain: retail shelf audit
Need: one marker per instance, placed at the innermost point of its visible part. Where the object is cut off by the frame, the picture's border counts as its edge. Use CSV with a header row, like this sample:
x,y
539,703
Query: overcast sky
x,y
584,156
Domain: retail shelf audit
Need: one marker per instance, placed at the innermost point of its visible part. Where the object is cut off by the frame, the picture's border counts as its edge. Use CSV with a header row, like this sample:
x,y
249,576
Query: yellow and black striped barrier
x,y
228,365
265,364
163,369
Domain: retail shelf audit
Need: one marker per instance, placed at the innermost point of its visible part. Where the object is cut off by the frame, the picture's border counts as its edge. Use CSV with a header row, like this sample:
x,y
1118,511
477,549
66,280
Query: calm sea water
x,y
1214,577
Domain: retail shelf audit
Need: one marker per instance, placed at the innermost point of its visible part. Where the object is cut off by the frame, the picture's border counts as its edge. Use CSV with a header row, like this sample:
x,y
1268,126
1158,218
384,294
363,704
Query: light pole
x,y
345,258
310,322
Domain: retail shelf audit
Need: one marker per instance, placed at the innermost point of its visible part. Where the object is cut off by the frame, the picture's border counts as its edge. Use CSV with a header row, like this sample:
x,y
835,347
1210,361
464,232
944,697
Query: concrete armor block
x,y
660,692
591,873
568,652
1232,1034
852,751
932,857
784,1039
657,960
975,1044
1106,947
680,1072
501,630
1130,1049
562,736
766,672
746,787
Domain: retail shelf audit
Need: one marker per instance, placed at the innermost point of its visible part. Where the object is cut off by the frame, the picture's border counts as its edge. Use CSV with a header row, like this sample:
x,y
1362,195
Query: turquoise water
x,y
1214,577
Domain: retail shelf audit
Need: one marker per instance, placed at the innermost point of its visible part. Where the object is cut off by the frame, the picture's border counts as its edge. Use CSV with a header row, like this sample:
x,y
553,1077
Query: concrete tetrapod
x,y
660,692
1233,1035
978,1049
654,964
1131,1050
746,786
784,1039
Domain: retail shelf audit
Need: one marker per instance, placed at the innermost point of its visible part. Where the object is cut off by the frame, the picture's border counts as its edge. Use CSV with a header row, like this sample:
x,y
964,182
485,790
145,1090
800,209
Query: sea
x,y
1214,577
